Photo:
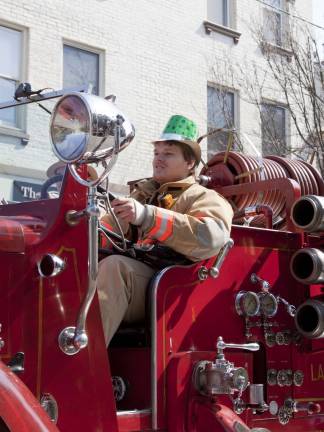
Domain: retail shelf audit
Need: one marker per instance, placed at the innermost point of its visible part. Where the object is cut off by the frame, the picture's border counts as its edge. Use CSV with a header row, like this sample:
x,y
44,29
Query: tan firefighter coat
x,y
183,215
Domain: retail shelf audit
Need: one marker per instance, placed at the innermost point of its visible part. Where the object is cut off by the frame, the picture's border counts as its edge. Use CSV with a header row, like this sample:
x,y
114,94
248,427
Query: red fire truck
x,y
234,343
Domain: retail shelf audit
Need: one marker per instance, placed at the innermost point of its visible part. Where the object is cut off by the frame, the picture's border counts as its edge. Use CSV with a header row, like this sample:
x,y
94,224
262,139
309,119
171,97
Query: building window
x,y
218,12
220,114
221,18
274,20
10,73
80,67
274,130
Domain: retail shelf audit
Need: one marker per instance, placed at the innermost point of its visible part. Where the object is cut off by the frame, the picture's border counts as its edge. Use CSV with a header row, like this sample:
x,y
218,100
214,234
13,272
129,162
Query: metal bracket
x,y
41,97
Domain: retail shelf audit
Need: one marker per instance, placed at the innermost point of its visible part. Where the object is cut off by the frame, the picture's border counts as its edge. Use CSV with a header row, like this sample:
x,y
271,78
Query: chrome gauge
x,y
247,303
268,304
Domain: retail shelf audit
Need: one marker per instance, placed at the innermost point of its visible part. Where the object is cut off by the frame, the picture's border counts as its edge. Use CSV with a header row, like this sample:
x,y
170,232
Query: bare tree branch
x,y
293,76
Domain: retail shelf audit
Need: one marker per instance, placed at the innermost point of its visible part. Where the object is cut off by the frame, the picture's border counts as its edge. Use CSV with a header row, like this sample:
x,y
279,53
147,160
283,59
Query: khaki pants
x,y
121,285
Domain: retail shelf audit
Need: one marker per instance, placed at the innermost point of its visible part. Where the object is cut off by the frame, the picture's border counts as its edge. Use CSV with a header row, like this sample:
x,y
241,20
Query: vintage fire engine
x,y
233,343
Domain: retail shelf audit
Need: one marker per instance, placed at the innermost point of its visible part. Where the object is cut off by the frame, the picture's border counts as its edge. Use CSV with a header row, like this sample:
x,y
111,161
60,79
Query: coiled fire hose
x,y
233,168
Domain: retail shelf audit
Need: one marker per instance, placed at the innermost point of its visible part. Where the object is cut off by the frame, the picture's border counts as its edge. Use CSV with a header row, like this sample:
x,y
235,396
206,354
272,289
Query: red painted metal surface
x,y
35,310
191,313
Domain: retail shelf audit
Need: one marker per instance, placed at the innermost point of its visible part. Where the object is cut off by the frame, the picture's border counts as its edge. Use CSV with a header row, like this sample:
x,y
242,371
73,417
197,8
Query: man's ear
x,y
191,164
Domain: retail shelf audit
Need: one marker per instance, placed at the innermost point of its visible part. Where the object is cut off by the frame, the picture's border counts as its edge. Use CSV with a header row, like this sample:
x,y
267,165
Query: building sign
x,y
25,191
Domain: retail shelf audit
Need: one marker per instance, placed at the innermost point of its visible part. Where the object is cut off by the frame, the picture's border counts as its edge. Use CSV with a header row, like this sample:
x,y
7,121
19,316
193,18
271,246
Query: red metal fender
x,y
19,408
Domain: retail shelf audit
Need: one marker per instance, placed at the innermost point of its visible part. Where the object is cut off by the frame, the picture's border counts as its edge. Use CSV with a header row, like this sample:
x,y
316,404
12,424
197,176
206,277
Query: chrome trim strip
x,y
132,412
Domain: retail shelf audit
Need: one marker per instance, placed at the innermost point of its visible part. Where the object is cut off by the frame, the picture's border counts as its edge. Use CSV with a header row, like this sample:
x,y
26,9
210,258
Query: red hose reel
x,y
236,169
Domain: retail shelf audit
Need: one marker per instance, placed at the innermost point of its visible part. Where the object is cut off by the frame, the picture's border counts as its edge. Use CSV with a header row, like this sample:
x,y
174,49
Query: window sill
x,y
217,28
268,47
14,132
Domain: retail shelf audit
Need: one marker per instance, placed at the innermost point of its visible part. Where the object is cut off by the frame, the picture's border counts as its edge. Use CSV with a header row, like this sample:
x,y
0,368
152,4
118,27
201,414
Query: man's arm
x,y
198,234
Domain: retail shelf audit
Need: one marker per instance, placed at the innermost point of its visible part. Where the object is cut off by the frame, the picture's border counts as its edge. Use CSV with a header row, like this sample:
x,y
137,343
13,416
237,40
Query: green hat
x,y
183,130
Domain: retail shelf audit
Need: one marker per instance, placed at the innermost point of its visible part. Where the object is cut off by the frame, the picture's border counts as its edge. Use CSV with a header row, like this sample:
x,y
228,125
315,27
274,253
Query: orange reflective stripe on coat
x,y
163,227
103,240
106,225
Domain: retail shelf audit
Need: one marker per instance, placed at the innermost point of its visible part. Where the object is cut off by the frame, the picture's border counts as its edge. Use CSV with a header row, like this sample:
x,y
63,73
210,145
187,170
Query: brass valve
x,y
220,376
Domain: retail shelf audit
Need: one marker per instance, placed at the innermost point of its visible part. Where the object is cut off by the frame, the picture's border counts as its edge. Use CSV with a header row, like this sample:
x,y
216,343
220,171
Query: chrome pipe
x,y
309,319
307,266
307,213
73,339
297,406
80,337
257,394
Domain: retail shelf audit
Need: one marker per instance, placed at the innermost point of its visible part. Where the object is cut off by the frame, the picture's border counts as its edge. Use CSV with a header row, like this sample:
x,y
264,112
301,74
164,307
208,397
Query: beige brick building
x,y
158,58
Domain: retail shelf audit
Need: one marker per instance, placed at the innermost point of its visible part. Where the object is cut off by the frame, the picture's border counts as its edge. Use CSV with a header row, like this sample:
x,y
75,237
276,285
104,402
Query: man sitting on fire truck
x,y
169,209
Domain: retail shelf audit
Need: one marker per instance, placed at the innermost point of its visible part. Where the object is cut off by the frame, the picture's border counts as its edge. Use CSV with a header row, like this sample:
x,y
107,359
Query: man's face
x,y
169,164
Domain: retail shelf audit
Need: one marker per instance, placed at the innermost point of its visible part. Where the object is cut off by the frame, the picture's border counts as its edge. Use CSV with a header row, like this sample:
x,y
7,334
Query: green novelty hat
x,y
183,130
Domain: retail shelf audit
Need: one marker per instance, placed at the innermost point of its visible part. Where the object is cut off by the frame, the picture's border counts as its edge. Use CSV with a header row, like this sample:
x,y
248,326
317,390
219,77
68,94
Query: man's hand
x,y
129,210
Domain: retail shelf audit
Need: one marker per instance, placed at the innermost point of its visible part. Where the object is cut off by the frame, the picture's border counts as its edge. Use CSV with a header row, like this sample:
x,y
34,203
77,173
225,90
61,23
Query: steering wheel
x,y
156,256
117,239
48,183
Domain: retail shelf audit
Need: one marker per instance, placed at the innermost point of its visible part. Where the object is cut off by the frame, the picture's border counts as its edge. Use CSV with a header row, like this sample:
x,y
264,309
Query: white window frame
x,y
236,98
286,120
85,47
18,131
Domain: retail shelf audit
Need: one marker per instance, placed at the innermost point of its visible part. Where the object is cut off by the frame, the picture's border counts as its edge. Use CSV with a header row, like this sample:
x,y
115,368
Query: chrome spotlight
x,y
83,128
88,129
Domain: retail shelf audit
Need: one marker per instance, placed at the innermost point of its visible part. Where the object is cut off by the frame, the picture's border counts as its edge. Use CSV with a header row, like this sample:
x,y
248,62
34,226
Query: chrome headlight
x,y
82,128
